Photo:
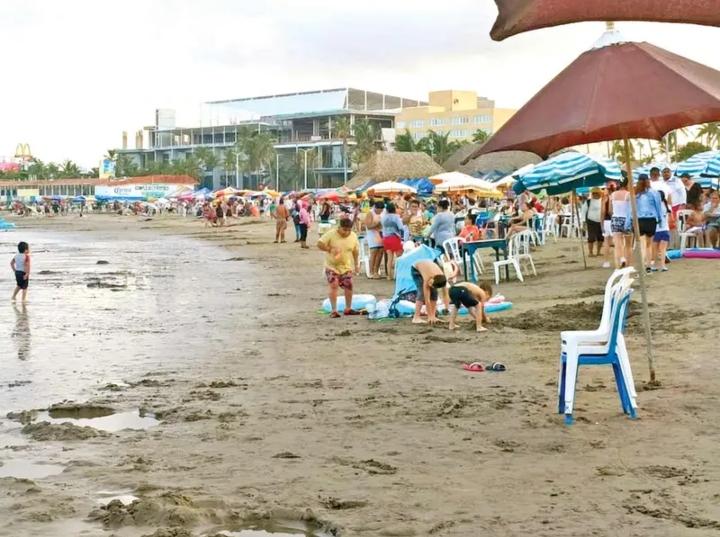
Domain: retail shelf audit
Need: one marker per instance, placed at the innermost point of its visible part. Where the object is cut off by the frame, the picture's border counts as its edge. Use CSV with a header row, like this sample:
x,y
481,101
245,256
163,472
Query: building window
x,y
418,135
460,120
417,123
483,119
458,133
400,125
437,121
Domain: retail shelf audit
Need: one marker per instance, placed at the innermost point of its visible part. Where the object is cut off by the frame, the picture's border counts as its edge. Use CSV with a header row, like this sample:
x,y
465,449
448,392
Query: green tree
x,y
260,151
125,166
70,170
617,151
37,169
343,131
53,170
480,136
440,146
367,135
711,133
690,149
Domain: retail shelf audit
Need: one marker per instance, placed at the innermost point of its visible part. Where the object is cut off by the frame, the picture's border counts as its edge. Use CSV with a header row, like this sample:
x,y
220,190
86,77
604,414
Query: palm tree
x,y
53,170
690,149
37,169
343,130
125,166
618,151
230,160
480,136
366,135
440,146
711,132
70,169
260,150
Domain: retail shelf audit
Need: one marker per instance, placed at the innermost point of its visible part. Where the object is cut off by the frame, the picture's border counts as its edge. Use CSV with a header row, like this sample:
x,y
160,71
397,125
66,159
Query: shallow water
x,y
112,423
24,469
88,324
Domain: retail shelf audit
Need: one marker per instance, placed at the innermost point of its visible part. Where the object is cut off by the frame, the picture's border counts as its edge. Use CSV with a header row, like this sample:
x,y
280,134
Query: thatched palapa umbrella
x,y
393,166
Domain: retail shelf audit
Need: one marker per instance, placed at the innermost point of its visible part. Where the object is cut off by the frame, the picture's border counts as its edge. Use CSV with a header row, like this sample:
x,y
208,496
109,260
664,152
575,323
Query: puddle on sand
x,y
273,529
80,413
110,423
124,496
23,469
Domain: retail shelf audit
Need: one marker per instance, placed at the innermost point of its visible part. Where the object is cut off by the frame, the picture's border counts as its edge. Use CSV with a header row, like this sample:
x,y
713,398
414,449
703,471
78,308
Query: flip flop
x,y
351,312
497,366
475,367
334,315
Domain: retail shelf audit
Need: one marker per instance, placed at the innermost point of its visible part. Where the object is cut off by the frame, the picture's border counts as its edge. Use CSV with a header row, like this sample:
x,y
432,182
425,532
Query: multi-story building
x,y
303,125
460,113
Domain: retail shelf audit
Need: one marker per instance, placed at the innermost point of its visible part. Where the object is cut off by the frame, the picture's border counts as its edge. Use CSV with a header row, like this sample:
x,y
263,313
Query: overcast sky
x,y
76,73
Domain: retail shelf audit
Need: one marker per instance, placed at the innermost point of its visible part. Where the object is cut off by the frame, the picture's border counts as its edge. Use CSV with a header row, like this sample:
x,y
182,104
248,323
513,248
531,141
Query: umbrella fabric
x,y
481,188
423,187
703,167
566,172
389,188
517,16
602,96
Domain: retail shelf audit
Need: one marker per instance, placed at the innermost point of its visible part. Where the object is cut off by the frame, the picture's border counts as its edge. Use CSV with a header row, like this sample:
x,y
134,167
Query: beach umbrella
x,y
517,16
601,97
389,188
335,197
479,187
567,172
704,168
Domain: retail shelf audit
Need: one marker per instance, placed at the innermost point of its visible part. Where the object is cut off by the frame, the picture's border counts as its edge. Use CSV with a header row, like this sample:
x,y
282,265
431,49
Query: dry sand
x,y
372,428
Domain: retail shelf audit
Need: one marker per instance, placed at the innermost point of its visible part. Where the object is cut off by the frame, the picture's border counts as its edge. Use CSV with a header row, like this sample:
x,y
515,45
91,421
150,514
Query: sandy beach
x,y
254,409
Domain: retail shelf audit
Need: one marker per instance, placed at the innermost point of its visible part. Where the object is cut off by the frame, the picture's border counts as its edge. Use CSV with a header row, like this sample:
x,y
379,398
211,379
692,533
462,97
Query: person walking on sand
x,y
281,215
342,258
20,265
304,218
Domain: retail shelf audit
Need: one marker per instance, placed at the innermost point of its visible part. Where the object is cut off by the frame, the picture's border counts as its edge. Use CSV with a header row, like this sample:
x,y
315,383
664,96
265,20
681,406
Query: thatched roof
x,y
504,161
395,165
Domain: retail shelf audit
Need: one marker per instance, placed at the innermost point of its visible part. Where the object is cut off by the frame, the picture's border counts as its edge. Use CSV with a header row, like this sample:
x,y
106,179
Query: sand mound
x,y
62,432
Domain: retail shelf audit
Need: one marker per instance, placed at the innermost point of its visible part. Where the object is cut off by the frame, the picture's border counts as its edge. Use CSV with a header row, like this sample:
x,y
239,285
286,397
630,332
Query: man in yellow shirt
x,y
342,258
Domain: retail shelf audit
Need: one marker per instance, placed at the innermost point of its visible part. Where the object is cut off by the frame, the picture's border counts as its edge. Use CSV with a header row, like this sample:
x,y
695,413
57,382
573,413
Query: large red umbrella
x,y
628,90
517,16
618,92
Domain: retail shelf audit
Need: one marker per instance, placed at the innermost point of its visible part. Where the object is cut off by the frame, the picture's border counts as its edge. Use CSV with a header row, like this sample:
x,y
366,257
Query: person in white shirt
x,y
678,195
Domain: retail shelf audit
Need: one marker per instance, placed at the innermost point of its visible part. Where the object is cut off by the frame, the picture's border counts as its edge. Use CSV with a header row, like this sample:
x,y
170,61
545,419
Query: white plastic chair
x,y
453,250
512,260
364,257
524,239
570,227
688,236
550,227
597,343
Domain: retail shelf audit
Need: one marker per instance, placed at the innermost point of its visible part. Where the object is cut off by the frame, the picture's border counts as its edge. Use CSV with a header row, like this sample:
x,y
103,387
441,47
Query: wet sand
x,y
266,409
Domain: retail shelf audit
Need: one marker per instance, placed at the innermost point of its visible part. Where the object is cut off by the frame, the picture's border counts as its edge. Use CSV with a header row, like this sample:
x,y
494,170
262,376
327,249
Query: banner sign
x,y
107,169
138,192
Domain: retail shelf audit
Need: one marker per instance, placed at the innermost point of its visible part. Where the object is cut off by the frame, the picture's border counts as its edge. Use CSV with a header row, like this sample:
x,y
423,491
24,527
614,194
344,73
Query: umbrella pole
x,y
576,216
638,257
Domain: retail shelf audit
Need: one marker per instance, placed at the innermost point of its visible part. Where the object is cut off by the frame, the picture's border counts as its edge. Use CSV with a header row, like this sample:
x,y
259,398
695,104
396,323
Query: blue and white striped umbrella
x,y
704,168
568,171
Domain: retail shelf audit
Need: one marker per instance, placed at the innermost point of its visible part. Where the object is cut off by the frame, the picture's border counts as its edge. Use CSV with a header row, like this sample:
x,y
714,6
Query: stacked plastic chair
x,y
603,346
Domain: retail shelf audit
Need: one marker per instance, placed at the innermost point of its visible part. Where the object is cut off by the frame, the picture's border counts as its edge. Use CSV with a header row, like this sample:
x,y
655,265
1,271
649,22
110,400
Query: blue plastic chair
x,y
611,357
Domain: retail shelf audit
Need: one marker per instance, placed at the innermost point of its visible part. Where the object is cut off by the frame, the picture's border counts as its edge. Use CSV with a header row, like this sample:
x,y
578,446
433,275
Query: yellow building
x,y
460,113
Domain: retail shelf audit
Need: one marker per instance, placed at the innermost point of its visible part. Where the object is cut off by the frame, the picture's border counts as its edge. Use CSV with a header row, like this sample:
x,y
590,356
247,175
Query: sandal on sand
x,y
335,315
497,366
351,312
475,367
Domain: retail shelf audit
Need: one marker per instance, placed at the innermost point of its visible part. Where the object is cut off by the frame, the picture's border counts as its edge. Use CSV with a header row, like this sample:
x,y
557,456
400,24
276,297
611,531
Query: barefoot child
x,y
21,266
428,278
342,258
473,297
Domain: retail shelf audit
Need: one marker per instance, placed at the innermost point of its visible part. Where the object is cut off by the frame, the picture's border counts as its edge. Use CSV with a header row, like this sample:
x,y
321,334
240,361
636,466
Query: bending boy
x,y
473,297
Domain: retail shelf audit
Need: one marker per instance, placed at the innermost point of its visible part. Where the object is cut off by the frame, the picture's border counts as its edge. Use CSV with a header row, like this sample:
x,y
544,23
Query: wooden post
x,y
576,216
639,262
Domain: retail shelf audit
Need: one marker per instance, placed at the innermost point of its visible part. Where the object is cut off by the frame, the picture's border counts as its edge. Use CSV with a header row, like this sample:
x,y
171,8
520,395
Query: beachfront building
x,y
461,113
303,124
130,188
